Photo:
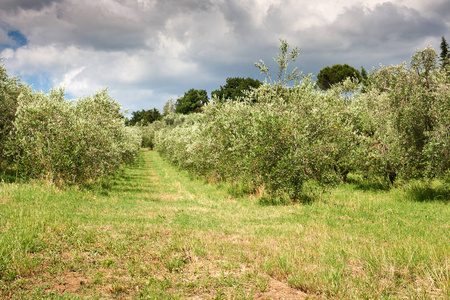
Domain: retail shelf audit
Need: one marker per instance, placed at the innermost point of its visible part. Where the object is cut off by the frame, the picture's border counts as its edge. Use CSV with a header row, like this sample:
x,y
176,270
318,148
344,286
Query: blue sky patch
x,y
18,38
39,82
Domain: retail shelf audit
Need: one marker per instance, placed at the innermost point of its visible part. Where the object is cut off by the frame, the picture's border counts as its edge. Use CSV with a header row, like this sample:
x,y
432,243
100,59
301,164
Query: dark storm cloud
x,y
440,8
367,28
105,26
88,24
238,19
362,36
8,5
99,28
391,23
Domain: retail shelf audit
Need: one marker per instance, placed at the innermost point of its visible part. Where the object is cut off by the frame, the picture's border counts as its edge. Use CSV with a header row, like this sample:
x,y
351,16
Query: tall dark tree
x,y
364,79
363,74
151,116
144,117
445,58
192,101
235,87
329,76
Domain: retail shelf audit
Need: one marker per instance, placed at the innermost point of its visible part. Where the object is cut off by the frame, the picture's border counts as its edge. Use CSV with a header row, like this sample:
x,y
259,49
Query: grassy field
x,y
152,232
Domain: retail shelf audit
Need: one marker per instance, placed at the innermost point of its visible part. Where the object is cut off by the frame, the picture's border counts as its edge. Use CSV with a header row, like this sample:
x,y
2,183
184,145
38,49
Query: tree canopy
x,y
144,117
329,76
235,87
192,101
444,53
10,89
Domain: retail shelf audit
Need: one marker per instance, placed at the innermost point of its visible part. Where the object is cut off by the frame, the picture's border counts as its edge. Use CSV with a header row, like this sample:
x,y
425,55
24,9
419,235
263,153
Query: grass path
x,y
152,232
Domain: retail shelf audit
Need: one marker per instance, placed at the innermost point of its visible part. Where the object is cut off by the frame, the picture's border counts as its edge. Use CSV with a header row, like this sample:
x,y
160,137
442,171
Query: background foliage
x,y
329,76
235,88
144,117
392,127
192,101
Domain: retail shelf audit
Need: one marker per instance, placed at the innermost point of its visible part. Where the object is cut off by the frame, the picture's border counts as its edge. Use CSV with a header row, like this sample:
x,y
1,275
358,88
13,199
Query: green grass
x,y
153,232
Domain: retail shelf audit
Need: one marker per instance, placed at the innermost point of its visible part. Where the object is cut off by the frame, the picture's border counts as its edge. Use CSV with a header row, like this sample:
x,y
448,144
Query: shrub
x,y
408,111
148,133
283,139
278,140
71,142
179,138
10,89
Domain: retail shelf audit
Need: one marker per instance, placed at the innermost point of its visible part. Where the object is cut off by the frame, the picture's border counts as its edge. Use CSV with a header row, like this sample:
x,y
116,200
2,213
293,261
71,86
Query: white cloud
x,y
8,53
148,51
34,59
68,78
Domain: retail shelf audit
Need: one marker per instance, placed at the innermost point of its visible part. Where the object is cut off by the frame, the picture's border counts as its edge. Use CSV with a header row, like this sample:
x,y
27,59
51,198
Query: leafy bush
x,y
130,144
329,76
10,89
192,101
143,117
407,111
179,139
235,88
148,133
279,140
71,142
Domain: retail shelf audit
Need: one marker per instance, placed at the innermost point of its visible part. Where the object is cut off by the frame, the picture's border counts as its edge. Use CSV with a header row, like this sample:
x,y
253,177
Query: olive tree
x,y
71,141
10,89
409,107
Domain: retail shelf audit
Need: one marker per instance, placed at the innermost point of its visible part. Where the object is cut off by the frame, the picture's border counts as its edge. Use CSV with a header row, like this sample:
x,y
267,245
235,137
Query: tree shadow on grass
x,y
420,191
283,201
11,176
368,185
311,191
7,177
120,181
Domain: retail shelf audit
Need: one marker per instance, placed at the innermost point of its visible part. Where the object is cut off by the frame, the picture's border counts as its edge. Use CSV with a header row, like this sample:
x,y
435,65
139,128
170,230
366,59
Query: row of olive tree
x,y
66,142
10,89
282,138
406,113
279,141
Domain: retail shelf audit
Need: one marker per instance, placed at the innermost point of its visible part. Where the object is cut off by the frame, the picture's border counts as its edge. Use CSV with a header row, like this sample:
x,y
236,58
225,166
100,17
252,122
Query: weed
x,y
108,262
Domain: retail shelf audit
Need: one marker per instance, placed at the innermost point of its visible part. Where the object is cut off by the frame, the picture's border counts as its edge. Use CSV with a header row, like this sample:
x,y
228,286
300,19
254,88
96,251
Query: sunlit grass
x,y
153,232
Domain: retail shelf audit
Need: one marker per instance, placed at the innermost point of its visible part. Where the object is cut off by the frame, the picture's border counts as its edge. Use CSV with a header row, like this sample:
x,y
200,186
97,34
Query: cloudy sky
x,y
149,51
